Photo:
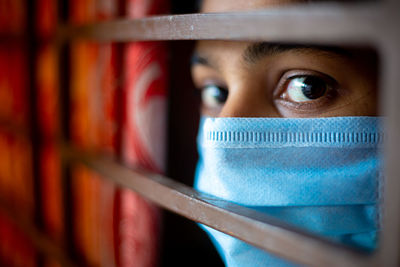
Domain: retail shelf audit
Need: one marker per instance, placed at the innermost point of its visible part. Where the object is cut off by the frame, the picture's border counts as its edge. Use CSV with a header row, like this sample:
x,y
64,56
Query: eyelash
x,y
280,93
209,95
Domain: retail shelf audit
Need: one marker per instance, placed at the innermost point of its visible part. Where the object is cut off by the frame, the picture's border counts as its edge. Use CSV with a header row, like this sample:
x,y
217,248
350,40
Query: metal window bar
x,y
333,24
372,24
250,226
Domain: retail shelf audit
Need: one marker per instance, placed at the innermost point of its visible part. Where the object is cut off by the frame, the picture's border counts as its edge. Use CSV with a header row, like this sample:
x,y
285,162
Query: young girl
x,y
289,130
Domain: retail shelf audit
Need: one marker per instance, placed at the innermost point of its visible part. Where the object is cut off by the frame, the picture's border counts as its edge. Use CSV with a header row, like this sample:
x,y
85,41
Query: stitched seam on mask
x,y
294,138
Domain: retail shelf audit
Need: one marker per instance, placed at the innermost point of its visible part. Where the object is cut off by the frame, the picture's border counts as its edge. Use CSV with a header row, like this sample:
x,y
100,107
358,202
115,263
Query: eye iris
x,y
219,94
214,96
313,87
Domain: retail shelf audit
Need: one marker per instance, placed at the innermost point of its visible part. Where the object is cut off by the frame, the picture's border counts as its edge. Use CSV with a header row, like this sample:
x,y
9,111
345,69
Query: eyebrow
x,y
257,51
198,59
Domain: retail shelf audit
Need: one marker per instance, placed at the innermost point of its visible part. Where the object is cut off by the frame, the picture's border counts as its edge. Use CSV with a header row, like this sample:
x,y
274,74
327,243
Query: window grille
x,y
372,23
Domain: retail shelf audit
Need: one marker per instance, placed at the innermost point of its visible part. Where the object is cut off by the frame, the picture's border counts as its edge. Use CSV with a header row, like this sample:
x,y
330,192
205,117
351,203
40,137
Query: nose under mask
x,y
322,174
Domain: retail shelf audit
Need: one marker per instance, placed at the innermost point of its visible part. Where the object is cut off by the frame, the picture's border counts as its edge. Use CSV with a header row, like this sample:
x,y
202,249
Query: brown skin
x,y
257,82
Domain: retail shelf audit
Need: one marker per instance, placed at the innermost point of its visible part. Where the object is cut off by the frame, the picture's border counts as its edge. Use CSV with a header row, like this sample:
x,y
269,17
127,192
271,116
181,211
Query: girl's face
x,y
247,79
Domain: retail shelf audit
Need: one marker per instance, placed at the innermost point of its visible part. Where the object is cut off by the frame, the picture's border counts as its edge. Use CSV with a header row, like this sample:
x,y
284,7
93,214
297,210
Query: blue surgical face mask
x,y
321,174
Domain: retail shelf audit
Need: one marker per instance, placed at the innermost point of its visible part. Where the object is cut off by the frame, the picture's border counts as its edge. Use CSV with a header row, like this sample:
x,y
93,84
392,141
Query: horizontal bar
x,y
39,240
250,226
336,24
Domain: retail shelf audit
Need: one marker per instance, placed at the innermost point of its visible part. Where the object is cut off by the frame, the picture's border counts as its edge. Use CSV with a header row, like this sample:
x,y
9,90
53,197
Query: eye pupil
x,y
218,93
313,87
213,96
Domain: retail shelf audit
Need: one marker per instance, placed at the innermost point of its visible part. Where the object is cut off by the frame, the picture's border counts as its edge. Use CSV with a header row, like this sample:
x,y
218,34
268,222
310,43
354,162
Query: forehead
x,y
240,5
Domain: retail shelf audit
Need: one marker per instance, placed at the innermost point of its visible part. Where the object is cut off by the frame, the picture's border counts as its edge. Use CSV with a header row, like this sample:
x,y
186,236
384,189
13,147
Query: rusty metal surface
x,y
372,24
253,227
327,23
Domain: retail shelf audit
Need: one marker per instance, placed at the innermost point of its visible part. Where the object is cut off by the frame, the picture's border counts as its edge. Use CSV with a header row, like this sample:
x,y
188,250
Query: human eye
x,y
213,96
306,90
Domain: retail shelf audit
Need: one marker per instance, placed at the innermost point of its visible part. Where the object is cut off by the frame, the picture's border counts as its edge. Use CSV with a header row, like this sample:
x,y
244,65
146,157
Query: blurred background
x,y
134,102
